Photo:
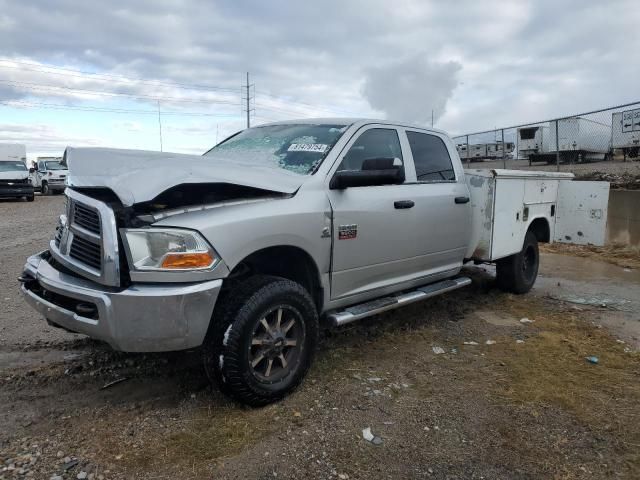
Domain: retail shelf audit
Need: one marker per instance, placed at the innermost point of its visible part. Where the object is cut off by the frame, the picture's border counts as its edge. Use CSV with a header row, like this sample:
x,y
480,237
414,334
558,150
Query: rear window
x,y
431,158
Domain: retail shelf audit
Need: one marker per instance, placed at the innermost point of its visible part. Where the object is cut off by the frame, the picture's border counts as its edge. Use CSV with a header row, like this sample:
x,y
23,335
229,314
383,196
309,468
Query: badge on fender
x,y
347,232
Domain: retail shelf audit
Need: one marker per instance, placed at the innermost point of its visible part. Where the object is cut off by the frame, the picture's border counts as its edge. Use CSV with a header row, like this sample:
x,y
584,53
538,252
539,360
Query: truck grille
x,y
86,239
58,236
86,252
86,218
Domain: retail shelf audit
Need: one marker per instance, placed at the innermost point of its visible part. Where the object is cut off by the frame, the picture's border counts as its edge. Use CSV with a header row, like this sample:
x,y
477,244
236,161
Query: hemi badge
x,y
347,232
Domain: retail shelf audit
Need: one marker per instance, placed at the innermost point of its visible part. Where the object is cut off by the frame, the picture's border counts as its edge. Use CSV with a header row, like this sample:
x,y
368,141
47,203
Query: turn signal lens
x,y
187,260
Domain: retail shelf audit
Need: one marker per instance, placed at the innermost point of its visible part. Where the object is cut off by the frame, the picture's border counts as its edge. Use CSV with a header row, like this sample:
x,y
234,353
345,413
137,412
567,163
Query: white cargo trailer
x,y
580,139
533,141
625,134
462,151
478,151
496,150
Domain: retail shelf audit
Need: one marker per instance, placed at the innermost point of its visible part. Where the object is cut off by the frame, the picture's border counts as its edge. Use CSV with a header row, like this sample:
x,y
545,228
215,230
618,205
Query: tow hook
x,y
26,279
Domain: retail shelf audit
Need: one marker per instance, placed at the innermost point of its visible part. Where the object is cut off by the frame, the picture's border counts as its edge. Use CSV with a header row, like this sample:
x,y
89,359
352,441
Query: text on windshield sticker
x,y
308,147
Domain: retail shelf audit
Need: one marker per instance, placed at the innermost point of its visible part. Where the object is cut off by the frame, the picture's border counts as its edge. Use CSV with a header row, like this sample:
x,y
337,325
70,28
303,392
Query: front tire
x,y
263,339
517,273
45,189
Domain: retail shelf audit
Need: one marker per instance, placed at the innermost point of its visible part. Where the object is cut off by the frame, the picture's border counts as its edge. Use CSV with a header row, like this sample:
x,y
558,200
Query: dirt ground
x,y
622,255
513,396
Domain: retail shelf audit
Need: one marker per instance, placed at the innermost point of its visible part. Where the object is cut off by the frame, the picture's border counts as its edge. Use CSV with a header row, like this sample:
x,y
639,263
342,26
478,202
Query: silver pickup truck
x,y
246,249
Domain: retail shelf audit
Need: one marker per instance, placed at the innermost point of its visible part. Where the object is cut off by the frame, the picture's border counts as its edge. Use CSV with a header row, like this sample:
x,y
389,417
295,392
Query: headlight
x,y
167,249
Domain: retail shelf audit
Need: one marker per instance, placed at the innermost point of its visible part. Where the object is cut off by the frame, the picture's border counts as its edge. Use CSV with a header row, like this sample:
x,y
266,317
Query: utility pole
x,y
160,125
248,86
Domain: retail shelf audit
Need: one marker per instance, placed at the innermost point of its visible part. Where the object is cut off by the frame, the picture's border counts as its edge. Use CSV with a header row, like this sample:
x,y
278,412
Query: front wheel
x,y
517,273
263,339
45,189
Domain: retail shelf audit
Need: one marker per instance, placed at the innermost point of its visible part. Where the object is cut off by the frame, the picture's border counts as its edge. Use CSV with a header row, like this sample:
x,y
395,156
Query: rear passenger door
x,y
441,196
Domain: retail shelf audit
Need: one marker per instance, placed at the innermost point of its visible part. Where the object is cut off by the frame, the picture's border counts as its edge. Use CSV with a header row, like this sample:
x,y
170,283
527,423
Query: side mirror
x,y
31,170
375,171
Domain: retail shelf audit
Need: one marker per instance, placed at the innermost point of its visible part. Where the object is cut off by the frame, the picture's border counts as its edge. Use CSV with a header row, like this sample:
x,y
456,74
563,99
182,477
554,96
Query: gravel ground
x,y
25,229
507,398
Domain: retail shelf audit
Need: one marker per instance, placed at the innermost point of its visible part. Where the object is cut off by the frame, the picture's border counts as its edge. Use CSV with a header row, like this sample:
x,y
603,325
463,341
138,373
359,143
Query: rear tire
x,y
517,273
262,340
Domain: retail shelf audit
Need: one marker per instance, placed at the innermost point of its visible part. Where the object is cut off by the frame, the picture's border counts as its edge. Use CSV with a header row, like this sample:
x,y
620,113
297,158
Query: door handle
x,y
402,204
462,199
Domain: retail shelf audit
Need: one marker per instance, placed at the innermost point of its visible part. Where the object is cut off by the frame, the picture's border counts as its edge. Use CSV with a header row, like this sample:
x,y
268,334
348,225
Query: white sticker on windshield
x,y
308,147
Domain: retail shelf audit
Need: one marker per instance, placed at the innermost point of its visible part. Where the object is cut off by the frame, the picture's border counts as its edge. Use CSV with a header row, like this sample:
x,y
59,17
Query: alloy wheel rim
x,y
276,344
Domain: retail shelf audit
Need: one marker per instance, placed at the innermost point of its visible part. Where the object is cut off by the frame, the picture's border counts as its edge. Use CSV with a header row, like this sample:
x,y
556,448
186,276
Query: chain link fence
x,y
607,135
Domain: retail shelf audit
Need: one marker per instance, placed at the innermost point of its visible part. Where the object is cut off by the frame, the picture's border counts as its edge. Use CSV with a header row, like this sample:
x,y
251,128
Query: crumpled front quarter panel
x,y
236,231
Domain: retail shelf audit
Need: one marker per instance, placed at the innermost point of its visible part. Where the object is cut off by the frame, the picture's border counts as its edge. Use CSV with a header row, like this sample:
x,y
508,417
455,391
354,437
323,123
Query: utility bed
x,y
505,203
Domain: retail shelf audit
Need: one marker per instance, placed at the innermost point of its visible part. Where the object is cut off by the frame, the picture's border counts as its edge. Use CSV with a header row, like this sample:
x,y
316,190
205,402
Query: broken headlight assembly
x,y
167,249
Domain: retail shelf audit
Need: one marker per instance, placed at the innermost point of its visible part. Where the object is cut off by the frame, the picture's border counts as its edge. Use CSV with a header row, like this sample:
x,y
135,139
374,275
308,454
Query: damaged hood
x,y
139,176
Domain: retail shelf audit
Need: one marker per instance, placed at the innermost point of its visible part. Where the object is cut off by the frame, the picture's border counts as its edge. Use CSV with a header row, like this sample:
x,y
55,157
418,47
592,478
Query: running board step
x,y
380,305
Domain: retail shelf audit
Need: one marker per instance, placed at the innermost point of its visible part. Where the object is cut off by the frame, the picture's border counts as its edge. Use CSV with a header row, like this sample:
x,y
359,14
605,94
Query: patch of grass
x,y
202,440
210,436
617,254
550,368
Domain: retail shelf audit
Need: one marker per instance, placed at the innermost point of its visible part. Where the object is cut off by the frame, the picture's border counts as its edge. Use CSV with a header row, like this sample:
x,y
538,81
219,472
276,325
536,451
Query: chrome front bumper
x,y
141,318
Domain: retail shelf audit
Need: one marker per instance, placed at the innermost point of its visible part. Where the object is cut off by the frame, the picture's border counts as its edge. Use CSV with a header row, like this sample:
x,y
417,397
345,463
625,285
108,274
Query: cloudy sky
x,y
78,72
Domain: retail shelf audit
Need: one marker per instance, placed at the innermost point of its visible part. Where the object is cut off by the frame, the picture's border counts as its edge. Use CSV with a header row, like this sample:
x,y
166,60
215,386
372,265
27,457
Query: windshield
x,y
54,166
11,166
298,148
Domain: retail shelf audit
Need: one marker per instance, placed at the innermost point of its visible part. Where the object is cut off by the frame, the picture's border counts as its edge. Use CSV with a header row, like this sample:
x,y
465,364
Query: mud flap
x,y
581,214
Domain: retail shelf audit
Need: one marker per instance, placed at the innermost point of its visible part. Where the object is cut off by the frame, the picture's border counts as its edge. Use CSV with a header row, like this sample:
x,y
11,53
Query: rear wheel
x,y
263,339
517,273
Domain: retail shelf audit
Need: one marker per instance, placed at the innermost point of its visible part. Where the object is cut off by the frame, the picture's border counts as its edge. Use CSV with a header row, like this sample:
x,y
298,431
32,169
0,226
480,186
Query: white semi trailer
x,y
579,140
499,150
533,141
625,133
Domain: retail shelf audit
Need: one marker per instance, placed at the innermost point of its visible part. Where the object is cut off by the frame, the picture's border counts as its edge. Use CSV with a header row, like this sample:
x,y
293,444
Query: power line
x,y
37,86
111,76
57,106
281,110
96,76
298,102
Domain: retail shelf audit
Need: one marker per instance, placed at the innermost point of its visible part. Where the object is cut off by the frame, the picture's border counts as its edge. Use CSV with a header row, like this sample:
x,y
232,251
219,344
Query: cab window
x,y
373,143
431,158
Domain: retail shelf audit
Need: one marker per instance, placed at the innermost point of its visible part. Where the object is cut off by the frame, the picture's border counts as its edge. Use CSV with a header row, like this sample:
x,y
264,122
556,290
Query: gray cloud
x,y
411,89
43,139
487,63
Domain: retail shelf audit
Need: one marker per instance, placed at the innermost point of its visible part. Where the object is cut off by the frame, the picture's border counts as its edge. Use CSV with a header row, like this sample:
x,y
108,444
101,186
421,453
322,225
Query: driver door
x,y
372,243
